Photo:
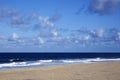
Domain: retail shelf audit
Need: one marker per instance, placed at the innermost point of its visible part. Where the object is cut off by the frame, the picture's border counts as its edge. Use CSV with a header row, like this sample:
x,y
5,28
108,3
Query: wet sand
x,y
89,71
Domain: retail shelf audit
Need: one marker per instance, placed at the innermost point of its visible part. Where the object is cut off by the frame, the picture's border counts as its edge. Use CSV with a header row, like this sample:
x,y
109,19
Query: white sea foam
x,y
45,61
101,60
72,61
53,62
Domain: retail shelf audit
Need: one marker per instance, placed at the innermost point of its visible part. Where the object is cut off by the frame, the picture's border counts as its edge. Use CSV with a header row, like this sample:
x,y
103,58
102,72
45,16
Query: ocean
x,y
24,60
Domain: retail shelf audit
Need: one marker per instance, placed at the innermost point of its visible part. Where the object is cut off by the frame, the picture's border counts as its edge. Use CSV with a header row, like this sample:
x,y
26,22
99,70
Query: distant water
x,y
21,60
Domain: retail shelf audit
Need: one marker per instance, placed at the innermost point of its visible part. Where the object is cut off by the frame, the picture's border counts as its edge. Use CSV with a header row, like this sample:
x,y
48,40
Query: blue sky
x,y
59,26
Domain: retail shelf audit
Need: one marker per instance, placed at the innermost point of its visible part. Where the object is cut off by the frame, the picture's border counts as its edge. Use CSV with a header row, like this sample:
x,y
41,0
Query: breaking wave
x,y
52,62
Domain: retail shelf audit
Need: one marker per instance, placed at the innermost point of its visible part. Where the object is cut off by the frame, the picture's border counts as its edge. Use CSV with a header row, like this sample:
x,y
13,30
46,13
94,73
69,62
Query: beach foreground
x,y
90,71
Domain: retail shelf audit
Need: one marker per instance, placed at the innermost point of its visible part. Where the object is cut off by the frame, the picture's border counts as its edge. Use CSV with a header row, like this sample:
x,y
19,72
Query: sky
x,y
59,25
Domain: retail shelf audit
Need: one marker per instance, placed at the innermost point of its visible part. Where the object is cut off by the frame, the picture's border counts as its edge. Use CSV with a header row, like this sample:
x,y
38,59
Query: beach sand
x,y
89,71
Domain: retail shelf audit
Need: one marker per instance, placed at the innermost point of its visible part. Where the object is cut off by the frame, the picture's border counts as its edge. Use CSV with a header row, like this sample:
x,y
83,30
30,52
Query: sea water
x,y
24,60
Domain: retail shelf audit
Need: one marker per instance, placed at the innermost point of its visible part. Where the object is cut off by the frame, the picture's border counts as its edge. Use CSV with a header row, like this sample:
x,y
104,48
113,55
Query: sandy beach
x,y
90,71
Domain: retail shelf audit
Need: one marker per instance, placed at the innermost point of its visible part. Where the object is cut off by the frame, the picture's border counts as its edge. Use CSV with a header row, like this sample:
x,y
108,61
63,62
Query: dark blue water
x,y
19,57
24,60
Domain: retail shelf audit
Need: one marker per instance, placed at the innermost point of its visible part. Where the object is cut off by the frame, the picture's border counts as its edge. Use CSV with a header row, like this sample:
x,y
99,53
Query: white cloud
x,y
41,40
97,33
55,33
86,37
95,37
103,6
55,17
76,41
44,21
100,32
118,36
31,21
7,12
14,37
2,37
17,20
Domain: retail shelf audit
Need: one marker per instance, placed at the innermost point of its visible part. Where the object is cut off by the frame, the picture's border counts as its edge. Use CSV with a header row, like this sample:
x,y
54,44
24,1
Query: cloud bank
x,y
16,19
103,7
79,38
50,36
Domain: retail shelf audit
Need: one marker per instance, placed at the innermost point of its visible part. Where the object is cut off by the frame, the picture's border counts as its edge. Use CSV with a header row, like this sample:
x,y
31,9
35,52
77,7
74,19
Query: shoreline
x,y
89,71
50,62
